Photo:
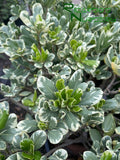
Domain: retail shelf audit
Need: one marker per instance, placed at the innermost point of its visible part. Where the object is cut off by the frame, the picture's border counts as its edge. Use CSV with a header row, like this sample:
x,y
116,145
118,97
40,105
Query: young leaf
x,y
35,96
60,84
27,102
25,144
35,49
107,155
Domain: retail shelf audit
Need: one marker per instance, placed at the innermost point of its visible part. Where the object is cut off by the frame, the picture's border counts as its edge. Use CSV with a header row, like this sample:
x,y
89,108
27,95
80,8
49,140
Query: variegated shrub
x,y
65,74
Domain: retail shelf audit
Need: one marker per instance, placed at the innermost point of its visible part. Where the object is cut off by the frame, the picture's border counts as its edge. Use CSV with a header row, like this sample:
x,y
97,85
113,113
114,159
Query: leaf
x,y
110,104
18,138
61,154
88,155
60,84
115,68
35,96
37,52
12,157
24,16
44,55
46,87
27,156
52,123
26,144
75,80
117,130
91,63
62,127
27,102
95,135
4,106
37,155
72,121
76,108
2,145
109,124
12,121
8,134
27,125
3,118
37,10
39,138
107,155
54,136
92,97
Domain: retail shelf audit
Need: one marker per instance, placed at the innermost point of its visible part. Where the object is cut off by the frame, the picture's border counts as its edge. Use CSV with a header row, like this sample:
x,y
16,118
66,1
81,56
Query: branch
x,y
4,99
69,142
110,85
118,82
21,106
112,92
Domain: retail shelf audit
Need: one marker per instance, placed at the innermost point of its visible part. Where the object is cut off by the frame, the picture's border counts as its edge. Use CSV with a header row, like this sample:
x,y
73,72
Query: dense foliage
x,y
65,74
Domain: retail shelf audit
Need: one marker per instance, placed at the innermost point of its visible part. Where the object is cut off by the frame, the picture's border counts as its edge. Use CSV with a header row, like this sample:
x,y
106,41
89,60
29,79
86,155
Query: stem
x,y
69,142
38,40
110,85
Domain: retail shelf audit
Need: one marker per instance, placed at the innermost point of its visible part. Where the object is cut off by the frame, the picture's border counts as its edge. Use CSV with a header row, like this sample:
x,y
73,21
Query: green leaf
x,y
2,145
24,16
72,121
76,108
60,84
37,10
110,104
39,138
2,157
35,96
37,155
92,97
27,156
52,123
27,125
27,102
12,157
117,130
3,118
61,154
107,155
12,121
91,63
74,44
8,134
37,52
77,94
18,138
75,80
26,144
88,155
44,55
95,135
109,124
54,136
46,87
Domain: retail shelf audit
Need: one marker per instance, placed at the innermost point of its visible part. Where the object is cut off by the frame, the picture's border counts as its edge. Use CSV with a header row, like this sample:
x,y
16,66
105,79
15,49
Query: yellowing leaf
x,y
115,68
